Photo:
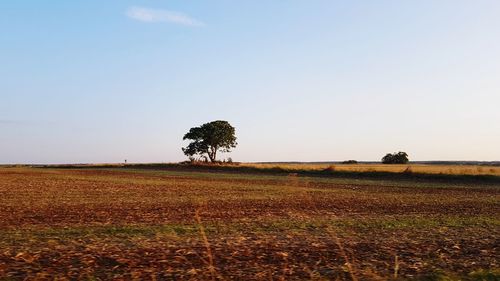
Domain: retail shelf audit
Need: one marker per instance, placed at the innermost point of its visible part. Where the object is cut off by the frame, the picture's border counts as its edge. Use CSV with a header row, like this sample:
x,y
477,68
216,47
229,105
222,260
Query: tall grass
x,y
413,168
208,248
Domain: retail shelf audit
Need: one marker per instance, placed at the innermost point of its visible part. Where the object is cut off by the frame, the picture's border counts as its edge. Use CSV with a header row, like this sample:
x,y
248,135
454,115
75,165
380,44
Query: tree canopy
x,y
209,138
396,158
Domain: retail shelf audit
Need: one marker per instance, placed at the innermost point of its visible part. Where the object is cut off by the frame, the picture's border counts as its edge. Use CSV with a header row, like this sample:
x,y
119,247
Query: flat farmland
x,y
458,170
132,224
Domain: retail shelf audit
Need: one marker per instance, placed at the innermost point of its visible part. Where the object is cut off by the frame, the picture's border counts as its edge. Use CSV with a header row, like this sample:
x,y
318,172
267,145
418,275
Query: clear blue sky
x,y
104,81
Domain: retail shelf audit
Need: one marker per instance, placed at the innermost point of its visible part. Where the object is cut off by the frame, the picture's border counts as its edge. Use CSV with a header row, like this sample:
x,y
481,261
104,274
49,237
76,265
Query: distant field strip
x,y
414,168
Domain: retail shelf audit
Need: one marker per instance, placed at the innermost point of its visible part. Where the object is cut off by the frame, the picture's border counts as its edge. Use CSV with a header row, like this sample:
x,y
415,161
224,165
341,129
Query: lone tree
x,y
395,158
210,138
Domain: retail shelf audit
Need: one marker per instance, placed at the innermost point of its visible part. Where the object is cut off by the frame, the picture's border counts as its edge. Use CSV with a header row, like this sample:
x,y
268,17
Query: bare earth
x,y
169,225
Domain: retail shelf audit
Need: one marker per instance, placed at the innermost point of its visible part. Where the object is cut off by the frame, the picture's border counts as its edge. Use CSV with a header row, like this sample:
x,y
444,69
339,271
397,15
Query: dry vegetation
x,y
146,224
399,168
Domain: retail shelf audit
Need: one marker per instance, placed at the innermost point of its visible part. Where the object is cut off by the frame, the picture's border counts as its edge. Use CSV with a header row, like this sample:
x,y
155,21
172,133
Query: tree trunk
x,y
212,154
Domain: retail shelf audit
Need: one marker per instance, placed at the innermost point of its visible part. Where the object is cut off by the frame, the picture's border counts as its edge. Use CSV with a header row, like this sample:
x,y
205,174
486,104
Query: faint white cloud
x,y
157,15
10,122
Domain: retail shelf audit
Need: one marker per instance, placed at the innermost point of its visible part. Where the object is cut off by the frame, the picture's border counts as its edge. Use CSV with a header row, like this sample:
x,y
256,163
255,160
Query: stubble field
x,y
432,169
125,224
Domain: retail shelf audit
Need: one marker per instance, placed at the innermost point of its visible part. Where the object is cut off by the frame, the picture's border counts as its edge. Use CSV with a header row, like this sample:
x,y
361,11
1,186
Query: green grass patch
x,y
312,225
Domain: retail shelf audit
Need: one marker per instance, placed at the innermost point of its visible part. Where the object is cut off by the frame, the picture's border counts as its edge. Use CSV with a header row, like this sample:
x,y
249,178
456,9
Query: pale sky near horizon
x,y
103,81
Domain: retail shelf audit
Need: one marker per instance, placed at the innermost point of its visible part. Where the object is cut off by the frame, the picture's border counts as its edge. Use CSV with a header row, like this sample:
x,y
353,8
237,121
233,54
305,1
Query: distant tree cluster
x,y
395,158
219,136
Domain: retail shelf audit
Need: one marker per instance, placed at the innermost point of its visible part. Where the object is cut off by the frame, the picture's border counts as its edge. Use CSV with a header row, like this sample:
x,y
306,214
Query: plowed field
x,y
102,224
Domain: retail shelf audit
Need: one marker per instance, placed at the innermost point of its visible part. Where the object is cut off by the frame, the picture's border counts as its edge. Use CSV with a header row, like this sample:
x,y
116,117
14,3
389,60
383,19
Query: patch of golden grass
x,y
415,168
